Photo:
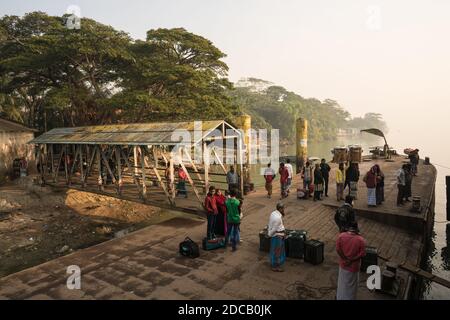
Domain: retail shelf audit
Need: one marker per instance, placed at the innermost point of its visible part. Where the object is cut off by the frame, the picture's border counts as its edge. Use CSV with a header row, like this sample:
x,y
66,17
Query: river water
x,y
438,261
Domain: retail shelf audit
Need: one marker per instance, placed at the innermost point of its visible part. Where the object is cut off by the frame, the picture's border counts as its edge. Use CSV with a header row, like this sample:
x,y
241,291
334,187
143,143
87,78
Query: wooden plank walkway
x,y
145,264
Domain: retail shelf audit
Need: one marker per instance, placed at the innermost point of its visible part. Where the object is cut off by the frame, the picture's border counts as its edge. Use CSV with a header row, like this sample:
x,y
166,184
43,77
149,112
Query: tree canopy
x,y
369,120
55,76
58,76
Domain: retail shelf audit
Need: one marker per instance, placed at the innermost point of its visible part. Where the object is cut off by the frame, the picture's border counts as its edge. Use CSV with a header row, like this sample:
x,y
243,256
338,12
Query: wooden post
x,y
52,159
80,147
105,160
72,170
45,160
135,178
90,163
56,172
219,161
144,186
155,169
165,158
41,167
119,171
99,165
135,158
191,182
154,155
66,165
172,175
187,153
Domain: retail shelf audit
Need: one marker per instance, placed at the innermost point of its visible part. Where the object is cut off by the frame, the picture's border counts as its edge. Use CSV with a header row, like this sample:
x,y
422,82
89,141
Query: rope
x,y
439,165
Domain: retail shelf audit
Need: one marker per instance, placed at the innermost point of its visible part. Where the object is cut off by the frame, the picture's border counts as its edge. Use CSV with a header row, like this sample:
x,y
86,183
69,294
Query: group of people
x,y
347,176
350,244
286,172
318,177
224,216
350,247
315,181
374,180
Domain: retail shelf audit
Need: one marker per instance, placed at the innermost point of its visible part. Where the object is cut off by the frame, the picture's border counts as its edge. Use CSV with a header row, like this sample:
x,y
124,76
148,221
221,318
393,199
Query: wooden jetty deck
x,y
145,264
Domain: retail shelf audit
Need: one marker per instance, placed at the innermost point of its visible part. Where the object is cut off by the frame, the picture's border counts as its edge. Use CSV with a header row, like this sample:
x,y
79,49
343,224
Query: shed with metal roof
x,y
138,155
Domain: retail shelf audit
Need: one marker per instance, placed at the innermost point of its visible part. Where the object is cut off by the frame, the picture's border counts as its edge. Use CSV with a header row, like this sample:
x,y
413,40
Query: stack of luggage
x,y
295,243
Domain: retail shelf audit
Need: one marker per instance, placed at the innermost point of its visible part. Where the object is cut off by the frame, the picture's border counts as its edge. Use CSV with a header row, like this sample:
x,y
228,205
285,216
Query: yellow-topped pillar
x,y
244,123
301,140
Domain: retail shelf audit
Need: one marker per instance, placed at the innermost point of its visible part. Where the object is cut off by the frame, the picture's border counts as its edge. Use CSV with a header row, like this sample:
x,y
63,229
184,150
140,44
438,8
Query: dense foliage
x,y
274,107
54,76
51,75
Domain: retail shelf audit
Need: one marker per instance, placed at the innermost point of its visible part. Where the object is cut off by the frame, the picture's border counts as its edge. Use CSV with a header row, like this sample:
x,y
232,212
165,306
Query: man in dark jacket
x,y
408,182
353,178
325,168
345,215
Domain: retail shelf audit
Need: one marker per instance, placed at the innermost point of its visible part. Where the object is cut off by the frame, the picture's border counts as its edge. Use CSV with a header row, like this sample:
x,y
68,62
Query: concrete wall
x,y
14,145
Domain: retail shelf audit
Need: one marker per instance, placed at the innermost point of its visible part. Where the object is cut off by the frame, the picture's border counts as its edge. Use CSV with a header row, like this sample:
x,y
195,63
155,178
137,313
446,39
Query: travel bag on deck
x,y
189,248
213,243
295,243
314,251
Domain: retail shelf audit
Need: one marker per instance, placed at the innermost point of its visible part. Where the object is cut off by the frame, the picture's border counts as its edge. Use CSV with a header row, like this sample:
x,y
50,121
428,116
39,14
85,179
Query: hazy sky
x,y
391,57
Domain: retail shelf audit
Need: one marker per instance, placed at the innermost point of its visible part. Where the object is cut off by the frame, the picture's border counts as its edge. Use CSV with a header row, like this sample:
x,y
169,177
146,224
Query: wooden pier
x,y
146,265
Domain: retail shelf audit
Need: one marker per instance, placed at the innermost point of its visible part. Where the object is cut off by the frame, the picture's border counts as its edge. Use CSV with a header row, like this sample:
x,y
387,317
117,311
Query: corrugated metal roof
x,y
9,126
157,133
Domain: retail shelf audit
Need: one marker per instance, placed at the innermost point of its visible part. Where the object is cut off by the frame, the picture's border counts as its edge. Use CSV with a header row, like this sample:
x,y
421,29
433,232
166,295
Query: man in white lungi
x,y
351,247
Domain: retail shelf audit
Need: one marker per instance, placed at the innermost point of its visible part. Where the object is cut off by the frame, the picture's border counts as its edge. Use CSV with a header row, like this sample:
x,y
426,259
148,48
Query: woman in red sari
x,y
221,222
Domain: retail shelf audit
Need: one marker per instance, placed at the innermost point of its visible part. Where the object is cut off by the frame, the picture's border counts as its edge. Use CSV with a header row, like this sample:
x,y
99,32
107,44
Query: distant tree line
x,y
275,107
54,76
369,120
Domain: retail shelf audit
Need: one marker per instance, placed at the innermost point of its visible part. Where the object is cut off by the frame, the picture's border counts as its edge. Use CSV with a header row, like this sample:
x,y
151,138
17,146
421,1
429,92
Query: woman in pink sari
x,y
221,222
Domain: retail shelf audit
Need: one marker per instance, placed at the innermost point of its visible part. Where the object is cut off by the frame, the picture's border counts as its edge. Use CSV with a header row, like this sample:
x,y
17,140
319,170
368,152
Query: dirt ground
x,y
38,224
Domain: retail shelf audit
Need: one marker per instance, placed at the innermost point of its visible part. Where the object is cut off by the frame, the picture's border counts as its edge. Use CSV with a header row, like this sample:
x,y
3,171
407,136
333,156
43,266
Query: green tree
x,y
276,107
370,120
177,74
49,63
56,76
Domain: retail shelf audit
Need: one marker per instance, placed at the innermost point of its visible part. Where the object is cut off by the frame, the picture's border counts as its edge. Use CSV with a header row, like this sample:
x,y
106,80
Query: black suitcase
x,y
189,248
371,258
314,251
264,241
295,243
